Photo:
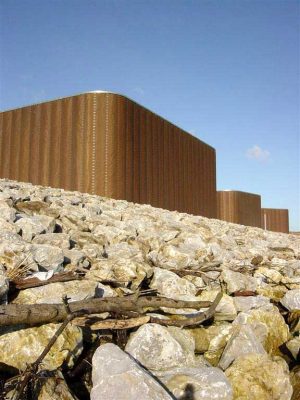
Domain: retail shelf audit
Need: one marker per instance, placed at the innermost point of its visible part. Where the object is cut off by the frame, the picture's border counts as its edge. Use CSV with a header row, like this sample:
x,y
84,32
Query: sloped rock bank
x,y
59,247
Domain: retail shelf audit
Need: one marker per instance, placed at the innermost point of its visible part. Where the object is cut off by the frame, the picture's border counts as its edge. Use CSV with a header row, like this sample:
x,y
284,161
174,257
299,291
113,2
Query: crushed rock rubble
x,y
249,350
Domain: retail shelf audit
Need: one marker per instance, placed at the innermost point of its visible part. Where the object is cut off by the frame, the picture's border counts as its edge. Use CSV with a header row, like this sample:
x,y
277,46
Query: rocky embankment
x,y
55,243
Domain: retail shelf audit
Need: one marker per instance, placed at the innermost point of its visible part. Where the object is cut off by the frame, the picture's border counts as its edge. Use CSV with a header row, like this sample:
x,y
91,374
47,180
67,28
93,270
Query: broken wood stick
x,y
194,319
35,282
35,314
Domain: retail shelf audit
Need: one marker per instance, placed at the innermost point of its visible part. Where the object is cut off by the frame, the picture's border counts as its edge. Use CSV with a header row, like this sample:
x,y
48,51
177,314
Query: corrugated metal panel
x,y
106,144
275,219
239,207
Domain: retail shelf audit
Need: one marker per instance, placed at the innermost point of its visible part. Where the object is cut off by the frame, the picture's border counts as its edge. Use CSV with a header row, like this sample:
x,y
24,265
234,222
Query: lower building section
x,y
239,207
275,219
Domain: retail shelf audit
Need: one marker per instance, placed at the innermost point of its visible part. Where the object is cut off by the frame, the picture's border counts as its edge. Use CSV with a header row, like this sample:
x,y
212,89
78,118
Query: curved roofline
x,y
118,94
238,191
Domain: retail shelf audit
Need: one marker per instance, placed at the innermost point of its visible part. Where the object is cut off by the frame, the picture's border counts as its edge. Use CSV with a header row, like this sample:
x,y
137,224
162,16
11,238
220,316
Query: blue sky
x,y
226,71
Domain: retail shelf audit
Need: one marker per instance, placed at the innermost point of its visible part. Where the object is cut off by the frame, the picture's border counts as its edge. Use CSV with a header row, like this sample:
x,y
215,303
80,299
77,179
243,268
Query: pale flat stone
x,y
117,376
260,377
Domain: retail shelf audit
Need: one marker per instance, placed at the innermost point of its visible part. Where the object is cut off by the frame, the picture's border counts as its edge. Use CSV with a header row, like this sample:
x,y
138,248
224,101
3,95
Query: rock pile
x,y
55,243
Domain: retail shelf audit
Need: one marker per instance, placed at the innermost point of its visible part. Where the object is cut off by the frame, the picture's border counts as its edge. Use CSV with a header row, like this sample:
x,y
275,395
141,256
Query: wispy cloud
x,y
258,154
139,90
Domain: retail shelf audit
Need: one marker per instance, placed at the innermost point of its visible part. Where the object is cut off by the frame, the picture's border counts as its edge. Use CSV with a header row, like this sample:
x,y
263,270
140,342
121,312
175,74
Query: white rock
x,y
32,226
202,383
54,292
48,257
249,302
242,341
159,348
237,282
116,376
291,300
168,284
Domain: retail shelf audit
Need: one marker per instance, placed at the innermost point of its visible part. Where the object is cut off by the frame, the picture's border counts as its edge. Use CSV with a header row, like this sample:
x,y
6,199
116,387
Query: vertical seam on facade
x,y
106,147
94,143
81,166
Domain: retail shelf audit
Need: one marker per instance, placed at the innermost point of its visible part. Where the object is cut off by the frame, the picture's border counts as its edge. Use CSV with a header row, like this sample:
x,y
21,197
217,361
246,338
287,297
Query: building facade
x,y
239,207
275,219
106,144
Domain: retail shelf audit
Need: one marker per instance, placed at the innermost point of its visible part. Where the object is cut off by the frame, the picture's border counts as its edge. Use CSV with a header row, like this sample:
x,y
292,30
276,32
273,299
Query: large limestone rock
x,y
268,326
202,383
32,226
117,376
236,281
47,257
260,377
242,341
159,348
22,346
170,285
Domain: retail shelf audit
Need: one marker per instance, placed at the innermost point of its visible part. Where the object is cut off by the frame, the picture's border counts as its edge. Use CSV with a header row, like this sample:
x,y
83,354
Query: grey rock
x,y
159,348
61,240
291,300
202,383
242,341
48,257
117,376
34,225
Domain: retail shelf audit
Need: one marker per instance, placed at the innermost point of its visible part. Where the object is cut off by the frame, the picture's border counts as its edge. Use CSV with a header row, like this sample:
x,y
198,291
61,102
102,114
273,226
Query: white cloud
x,y
258,154
139,91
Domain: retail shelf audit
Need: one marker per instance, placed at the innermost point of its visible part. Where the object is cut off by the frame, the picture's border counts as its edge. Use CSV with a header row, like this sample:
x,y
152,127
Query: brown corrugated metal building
x,y
239,207
275,219
106,144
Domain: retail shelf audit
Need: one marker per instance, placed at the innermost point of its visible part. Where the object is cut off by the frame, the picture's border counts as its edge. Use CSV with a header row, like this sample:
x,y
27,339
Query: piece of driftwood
x,y
35,282
193,319
112,323
35,314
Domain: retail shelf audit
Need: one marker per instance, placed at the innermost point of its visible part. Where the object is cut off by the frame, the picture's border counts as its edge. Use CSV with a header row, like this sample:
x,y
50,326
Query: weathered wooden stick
x,y
34,314
35,282
197,319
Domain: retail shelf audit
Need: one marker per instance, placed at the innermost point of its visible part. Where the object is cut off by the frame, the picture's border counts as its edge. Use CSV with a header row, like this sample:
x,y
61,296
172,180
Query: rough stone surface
x,y
118,248
18,347
291,300
54,292
117,376
259,377
159,348
242,341
202,383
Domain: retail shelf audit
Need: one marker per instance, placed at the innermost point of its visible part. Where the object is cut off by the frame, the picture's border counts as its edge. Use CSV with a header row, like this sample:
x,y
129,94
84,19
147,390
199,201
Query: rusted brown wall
x,y
239,207
48,143
275,219
106,144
